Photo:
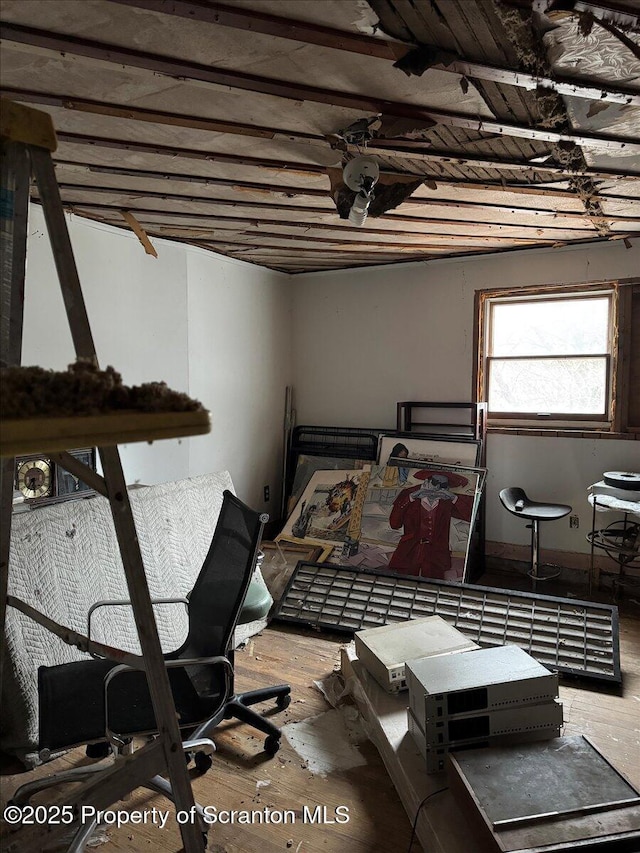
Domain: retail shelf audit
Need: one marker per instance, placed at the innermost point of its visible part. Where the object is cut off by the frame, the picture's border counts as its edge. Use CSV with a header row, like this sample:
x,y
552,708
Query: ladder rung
x,y
38,435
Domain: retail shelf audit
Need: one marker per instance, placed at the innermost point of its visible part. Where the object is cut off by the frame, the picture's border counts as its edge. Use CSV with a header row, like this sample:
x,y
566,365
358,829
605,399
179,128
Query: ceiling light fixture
x,y
361,175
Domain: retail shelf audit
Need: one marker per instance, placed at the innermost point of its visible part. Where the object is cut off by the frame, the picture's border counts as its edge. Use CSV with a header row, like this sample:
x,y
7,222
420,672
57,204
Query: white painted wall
x,y
214,328
239,367
365,339
352,344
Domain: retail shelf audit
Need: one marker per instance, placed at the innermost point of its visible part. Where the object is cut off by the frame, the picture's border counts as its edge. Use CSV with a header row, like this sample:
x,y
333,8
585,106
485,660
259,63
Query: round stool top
x,y
516,501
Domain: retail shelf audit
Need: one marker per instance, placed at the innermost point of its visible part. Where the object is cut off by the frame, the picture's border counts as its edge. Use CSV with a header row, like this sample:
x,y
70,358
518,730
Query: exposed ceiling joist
x,y
395,150
102,108
438,228
415,203
258,22
208,128
307,33
383,147
100,169
410,224
189,153
165,65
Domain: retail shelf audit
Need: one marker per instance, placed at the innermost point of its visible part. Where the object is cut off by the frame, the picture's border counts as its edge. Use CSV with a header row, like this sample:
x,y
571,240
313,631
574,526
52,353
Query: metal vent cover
x,y
572,637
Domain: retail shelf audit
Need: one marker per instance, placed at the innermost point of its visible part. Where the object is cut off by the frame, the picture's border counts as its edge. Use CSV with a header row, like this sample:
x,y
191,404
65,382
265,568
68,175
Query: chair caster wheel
x,y
98,750
272,745
283,702
203,762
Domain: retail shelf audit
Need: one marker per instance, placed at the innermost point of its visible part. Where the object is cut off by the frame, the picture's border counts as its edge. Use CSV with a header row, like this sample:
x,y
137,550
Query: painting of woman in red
x,y
425,513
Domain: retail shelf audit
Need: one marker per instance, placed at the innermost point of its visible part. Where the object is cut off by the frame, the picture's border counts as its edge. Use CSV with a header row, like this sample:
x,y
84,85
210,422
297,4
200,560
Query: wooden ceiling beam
x,y
173,68
299,190
272,25
361,239
308,33
418,202
193,71
444,236
400,149
530,82
190,153
464,232
284,189
391,218
212,125
143,213
350,246
395,149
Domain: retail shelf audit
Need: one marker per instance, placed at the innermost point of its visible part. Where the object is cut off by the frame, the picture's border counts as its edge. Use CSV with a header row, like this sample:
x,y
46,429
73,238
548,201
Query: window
x,y
548,356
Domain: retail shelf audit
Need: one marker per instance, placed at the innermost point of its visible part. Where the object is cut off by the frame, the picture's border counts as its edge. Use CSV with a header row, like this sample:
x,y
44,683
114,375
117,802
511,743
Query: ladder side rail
x,y
157,676
170,740
15,174
74,304
79,469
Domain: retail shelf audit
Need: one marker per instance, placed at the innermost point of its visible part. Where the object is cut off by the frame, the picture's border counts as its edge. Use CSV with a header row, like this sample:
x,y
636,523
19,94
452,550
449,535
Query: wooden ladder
x,y
28,138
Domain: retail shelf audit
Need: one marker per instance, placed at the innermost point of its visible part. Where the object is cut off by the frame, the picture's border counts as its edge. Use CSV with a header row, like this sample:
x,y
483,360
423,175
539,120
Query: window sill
x,y
565,433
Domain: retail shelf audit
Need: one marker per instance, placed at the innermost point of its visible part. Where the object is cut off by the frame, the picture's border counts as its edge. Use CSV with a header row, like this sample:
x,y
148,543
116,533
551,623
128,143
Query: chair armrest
x,y
113,737
125,602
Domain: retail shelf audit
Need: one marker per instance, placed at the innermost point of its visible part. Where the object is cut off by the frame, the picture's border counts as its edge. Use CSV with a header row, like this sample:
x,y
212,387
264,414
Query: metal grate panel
x,y
567,636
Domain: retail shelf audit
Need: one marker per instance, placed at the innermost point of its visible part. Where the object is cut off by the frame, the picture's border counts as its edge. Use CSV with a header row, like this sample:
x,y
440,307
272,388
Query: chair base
x,y
545,576
238,707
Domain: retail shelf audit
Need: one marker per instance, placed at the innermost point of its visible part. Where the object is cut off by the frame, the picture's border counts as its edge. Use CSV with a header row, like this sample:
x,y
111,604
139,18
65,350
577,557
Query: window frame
x,y
485,299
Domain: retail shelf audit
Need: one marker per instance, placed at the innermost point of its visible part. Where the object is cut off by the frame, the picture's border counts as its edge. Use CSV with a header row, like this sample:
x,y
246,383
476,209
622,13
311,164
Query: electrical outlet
x,y
267,495
574,521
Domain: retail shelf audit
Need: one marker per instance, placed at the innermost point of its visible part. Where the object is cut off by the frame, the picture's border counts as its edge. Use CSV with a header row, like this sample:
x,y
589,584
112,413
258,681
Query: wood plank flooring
x,y
377,820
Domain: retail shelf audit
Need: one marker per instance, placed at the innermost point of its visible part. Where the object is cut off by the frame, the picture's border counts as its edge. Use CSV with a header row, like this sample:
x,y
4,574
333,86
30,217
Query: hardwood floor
x,y
377,820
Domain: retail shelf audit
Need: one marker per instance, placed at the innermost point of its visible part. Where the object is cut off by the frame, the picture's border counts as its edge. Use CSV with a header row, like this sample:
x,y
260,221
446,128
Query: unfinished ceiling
x,y
496,124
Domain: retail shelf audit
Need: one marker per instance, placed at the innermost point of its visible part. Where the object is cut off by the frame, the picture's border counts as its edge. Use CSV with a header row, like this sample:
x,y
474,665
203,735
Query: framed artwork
x,y
441,449
417,522
325,513
307,466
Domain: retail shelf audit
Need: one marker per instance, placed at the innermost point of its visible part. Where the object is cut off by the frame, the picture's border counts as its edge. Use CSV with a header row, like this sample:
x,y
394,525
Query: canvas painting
x,y
326,511
306,467
414,521
465,453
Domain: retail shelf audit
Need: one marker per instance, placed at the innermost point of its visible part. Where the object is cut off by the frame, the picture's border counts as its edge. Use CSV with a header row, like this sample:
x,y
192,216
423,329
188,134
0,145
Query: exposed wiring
x,y
419,809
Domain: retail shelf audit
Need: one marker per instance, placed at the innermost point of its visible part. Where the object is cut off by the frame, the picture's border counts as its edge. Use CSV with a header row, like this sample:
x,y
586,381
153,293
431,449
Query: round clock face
x,y
34,478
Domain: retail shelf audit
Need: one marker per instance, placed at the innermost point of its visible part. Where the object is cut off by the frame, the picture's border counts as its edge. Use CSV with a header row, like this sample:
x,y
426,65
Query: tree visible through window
x,y
548,357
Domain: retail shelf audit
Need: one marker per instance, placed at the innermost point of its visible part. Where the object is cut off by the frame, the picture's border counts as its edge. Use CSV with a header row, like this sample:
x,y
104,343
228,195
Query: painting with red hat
x,y
419,525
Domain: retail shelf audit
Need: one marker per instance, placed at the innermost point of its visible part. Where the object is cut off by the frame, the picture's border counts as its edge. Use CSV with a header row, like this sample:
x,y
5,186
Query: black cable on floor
x,y
415,820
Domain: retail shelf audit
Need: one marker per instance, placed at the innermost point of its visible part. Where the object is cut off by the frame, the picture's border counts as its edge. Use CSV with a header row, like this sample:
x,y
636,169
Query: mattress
x,y
65,557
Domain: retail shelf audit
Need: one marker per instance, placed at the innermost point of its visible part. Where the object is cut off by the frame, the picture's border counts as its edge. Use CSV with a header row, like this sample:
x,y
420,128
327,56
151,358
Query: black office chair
x,y
100,703
516,501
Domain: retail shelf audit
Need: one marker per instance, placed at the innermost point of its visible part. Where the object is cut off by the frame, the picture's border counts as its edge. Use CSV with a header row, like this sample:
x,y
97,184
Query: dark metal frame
x,y
611,611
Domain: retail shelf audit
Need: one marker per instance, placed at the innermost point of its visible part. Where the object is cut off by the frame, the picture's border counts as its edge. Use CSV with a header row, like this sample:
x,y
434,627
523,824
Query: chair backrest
x,y
513,499
219,591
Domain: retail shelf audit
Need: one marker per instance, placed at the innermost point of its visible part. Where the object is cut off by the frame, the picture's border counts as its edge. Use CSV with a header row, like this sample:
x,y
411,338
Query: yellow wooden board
x,y
24,124
37,435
